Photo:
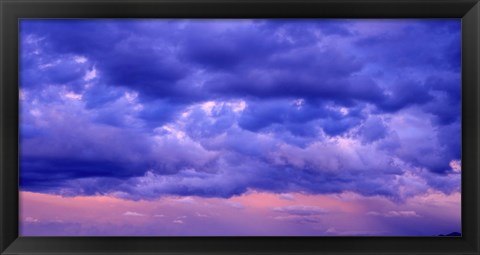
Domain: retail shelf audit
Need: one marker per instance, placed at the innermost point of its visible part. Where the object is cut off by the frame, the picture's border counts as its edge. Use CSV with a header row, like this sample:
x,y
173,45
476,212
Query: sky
x,y
266,127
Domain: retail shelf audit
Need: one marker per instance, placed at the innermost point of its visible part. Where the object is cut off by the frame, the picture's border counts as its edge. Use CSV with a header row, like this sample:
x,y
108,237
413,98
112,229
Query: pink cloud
x,y
260,213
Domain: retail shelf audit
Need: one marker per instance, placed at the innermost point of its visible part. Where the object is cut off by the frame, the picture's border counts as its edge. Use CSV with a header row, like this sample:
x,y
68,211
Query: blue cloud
x,y
115,103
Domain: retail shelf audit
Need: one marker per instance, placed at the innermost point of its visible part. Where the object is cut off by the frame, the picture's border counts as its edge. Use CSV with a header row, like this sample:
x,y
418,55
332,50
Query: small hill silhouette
x,y
452,234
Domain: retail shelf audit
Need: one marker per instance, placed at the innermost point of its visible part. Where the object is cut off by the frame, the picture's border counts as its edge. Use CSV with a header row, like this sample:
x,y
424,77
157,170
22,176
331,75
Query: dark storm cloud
x,y
216,108
373,130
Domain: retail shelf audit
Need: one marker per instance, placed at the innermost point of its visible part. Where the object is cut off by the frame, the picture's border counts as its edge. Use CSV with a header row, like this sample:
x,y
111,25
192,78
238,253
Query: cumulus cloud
x,y
144,109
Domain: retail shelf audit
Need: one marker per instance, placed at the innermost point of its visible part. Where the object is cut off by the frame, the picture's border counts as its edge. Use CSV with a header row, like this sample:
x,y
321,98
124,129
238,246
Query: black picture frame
x,y
13,10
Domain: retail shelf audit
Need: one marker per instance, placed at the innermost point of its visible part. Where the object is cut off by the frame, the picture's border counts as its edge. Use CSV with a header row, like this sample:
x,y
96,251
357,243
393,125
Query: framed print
x,y
315,127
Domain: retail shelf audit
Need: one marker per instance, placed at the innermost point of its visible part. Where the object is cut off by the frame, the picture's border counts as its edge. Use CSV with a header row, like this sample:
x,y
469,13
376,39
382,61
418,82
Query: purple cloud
x,y
215,108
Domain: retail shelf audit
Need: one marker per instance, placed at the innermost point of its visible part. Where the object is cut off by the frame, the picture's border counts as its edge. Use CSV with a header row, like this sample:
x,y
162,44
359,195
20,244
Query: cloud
x,y
287,197
134,214
372,130
201,215
90,74
236,205
456,166
394,214
300,210
88,215
145,109
31,220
